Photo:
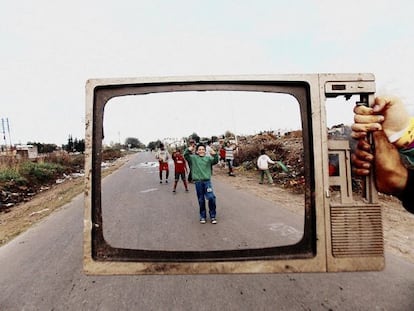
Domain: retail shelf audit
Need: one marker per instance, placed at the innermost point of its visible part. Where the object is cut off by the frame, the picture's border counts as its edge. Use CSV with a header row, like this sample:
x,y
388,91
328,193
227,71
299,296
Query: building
x,y
26,151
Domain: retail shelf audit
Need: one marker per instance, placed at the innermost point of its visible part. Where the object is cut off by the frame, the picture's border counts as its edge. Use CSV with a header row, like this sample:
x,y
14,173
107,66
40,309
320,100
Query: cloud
x,y
53,48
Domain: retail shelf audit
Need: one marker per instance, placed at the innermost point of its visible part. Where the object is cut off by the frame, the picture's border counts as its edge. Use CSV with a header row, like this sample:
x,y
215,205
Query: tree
x,y
195,137
214,139
79,145
69,146
229,134
133,142
154,145
74,145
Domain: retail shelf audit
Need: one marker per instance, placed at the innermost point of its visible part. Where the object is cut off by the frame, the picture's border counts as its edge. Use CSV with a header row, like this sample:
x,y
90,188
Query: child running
x,y
201,173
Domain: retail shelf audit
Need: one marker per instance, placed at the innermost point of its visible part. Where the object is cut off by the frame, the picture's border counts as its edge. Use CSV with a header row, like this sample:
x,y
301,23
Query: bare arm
x,y
390,173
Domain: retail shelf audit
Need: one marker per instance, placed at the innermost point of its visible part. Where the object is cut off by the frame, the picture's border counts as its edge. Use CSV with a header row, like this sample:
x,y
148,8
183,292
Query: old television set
x,y
337,231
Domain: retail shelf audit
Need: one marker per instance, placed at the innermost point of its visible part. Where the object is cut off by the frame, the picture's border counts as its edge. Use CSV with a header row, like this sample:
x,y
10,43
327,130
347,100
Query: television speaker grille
x,y
356,231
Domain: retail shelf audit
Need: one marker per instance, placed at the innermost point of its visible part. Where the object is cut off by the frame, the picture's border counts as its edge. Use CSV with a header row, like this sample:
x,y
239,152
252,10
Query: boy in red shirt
x,y
180,169
222,156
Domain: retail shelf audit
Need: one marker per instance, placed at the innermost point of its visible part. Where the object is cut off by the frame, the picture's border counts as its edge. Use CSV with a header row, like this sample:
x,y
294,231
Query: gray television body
x,y
338,236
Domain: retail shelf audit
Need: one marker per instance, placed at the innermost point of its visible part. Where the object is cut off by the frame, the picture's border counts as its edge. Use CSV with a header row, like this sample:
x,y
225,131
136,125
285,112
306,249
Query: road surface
x,y
42,268
139,212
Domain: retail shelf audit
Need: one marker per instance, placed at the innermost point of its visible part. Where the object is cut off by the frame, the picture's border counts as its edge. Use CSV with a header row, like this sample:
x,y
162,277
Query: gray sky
x,y
50,48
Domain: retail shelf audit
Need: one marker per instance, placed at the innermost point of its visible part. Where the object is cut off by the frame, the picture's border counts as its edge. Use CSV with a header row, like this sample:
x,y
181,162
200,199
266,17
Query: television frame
x,y
317,251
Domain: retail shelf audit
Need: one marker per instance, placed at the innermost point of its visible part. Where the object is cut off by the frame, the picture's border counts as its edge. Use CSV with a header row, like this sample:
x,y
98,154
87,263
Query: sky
x,y
51,48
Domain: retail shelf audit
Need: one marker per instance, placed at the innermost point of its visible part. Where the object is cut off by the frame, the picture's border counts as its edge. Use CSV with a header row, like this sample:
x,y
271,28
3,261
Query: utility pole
x,y
4,132
8,129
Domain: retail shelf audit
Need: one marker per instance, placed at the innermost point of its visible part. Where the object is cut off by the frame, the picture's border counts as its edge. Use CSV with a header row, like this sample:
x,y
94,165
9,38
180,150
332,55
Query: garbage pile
x,y
286,150
14,195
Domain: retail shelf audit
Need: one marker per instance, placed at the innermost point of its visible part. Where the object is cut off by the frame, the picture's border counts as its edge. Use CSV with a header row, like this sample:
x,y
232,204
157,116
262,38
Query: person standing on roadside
x,y
263,164
222,153
191,144
180,169
201,173
163,156
230,157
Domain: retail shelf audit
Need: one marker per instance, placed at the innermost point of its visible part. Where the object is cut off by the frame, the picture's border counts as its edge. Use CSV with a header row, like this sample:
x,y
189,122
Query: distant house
x,y
26,151
174,142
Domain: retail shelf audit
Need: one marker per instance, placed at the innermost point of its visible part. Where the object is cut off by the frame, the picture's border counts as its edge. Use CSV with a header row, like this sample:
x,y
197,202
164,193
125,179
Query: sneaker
x,y
160,181
213,220
166,181
174,190
202,221
186,190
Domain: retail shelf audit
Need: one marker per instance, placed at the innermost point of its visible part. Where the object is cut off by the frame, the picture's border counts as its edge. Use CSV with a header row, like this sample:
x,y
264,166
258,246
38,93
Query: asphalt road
x,y
42,268
139,212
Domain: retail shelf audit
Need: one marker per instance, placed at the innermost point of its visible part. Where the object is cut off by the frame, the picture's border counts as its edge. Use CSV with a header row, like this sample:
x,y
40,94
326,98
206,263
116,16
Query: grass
x,y
16,173
8,174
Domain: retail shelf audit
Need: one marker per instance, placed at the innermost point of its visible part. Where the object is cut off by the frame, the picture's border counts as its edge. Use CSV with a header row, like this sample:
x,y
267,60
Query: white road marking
x,y
286,230
145,165
149,190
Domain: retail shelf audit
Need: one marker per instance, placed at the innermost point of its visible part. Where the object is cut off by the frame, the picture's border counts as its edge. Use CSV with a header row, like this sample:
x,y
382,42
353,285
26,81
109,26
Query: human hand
x,y
388,114
362,158
390,173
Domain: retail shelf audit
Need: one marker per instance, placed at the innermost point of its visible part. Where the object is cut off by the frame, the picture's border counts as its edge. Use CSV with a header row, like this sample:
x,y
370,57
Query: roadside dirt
x,y
398,224
21,217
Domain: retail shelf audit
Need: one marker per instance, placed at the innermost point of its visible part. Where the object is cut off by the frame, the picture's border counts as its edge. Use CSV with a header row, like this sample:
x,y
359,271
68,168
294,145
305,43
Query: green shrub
x,y
8,175
40,172
72,163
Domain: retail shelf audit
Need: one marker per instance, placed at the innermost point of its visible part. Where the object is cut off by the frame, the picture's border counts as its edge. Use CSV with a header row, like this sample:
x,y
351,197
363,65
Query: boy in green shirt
x,y
201,175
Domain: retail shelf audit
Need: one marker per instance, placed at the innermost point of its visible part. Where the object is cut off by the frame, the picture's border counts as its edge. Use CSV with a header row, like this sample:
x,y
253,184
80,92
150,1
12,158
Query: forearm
x,y
215,159
391,174
187,154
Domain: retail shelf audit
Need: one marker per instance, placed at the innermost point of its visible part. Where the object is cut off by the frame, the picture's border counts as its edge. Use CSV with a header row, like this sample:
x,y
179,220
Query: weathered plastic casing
x,y
338,236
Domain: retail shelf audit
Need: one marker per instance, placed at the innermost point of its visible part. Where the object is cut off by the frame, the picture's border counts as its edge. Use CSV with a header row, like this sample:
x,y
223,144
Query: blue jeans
x,y
204,190
230,165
